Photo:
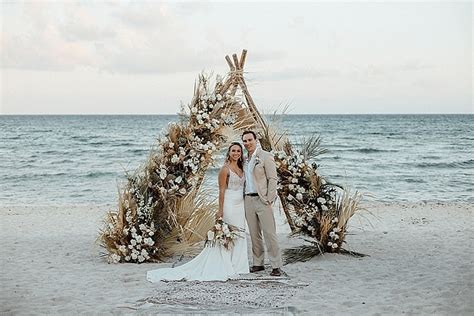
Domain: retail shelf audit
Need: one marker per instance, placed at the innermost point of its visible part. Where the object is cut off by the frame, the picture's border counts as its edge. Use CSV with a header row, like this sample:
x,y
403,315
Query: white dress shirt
x,y
248,167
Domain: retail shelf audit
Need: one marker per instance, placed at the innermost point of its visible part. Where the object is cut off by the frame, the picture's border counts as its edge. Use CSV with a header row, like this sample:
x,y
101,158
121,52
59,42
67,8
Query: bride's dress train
x,y
216,263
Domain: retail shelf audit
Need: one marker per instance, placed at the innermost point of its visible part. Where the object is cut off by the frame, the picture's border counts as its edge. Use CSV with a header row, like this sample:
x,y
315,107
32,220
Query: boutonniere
x,y
257,160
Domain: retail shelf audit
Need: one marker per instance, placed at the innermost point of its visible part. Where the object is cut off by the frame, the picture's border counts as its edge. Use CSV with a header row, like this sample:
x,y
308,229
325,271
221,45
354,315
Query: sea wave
x,y
367,150
455,164
97,174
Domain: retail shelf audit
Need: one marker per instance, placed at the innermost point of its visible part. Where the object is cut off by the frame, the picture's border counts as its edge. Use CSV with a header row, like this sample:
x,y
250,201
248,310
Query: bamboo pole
x,y
229,62
236,62
242,59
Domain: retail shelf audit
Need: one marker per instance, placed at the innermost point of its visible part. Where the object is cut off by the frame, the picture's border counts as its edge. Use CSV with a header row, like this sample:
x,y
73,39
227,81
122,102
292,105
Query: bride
x,y
217,263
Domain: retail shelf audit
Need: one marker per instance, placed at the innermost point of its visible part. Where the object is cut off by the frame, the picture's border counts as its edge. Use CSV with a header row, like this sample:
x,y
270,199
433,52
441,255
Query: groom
x,y
260,193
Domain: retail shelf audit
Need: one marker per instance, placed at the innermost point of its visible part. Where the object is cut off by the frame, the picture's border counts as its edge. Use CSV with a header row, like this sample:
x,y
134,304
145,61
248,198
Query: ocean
x,y
82,159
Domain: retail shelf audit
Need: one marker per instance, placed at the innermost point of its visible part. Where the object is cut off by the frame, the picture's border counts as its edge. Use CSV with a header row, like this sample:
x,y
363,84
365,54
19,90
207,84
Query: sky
x,y
143,57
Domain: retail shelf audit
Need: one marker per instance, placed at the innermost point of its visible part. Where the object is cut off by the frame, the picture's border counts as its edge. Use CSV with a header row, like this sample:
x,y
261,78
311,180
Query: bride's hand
x,y
219,214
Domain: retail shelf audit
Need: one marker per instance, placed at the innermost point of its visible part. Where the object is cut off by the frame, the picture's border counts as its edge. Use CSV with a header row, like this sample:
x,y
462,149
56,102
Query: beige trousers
x,y
260,219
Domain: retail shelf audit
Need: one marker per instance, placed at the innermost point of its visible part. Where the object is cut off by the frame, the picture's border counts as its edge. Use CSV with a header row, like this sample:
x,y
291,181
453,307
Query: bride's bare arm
x,y
222,181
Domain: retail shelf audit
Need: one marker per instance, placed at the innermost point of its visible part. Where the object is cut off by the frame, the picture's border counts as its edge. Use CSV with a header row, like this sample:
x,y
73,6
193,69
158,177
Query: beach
x,y
420,261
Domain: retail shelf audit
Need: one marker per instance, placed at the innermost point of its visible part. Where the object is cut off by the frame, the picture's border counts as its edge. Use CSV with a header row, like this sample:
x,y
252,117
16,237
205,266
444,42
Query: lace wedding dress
x,y
216,263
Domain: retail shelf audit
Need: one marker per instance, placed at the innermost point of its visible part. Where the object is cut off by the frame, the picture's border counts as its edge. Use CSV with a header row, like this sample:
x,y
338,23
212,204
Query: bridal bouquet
x,y
223,234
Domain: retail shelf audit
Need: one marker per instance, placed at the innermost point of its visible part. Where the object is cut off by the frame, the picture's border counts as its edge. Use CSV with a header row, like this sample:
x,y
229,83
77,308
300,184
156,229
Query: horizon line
x,y
176,114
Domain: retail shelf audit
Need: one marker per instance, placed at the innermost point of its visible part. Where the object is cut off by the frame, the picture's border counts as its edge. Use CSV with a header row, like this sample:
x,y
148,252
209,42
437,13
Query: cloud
x,y
143,38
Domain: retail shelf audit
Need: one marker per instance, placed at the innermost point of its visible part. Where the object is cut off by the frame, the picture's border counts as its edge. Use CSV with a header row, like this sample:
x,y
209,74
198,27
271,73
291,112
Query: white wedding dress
x,y
215,263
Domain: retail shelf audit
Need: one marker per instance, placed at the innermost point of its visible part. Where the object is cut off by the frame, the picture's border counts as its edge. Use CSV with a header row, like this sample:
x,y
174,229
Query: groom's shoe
x,y
254,269
276,272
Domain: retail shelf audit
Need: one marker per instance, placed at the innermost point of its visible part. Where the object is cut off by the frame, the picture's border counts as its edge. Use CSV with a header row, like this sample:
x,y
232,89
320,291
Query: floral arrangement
x,y
150,220
223,234
314,207
307,196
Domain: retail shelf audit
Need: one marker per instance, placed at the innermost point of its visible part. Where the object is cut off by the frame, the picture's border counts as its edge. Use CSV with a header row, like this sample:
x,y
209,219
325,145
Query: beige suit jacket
x,y
265,176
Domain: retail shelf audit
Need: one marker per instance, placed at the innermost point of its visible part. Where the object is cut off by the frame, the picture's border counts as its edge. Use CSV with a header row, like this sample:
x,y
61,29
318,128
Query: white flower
x,y
133,242
290,197
329,244
133,230
332,234
210,235
294,180
321,200
291,186
225,229
334,246
218,97
134,256
122,248
127,258
141,258
163,174
171,145
324,207
114,258
178,179
193,109
323,181
174,159
130,247
299,196
144,253
139,239
182,191
336,237
142,227
291,207
151,242
336,229
334,220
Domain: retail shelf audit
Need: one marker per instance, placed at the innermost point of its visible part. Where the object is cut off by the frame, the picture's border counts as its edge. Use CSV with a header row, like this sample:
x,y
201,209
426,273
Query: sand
x,y
420,262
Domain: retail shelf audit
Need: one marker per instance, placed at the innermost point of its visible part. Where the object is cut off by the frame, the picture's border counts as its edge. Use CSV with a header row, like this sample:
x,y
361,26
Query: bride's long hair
x,y
240,162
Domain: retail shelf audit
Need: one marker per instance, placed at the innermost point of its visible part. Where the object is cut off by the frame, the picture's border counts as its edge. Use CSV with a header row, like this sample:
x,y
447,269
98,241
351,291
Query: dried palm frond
x,y
301,253
347,205
195,217
311,147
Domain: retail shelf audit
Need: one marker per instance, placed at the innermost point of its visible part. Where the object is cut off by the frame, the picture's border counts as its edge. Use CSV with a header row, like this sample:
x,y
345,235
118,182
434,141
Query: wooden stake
x,y
242,59
236,62
229,62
